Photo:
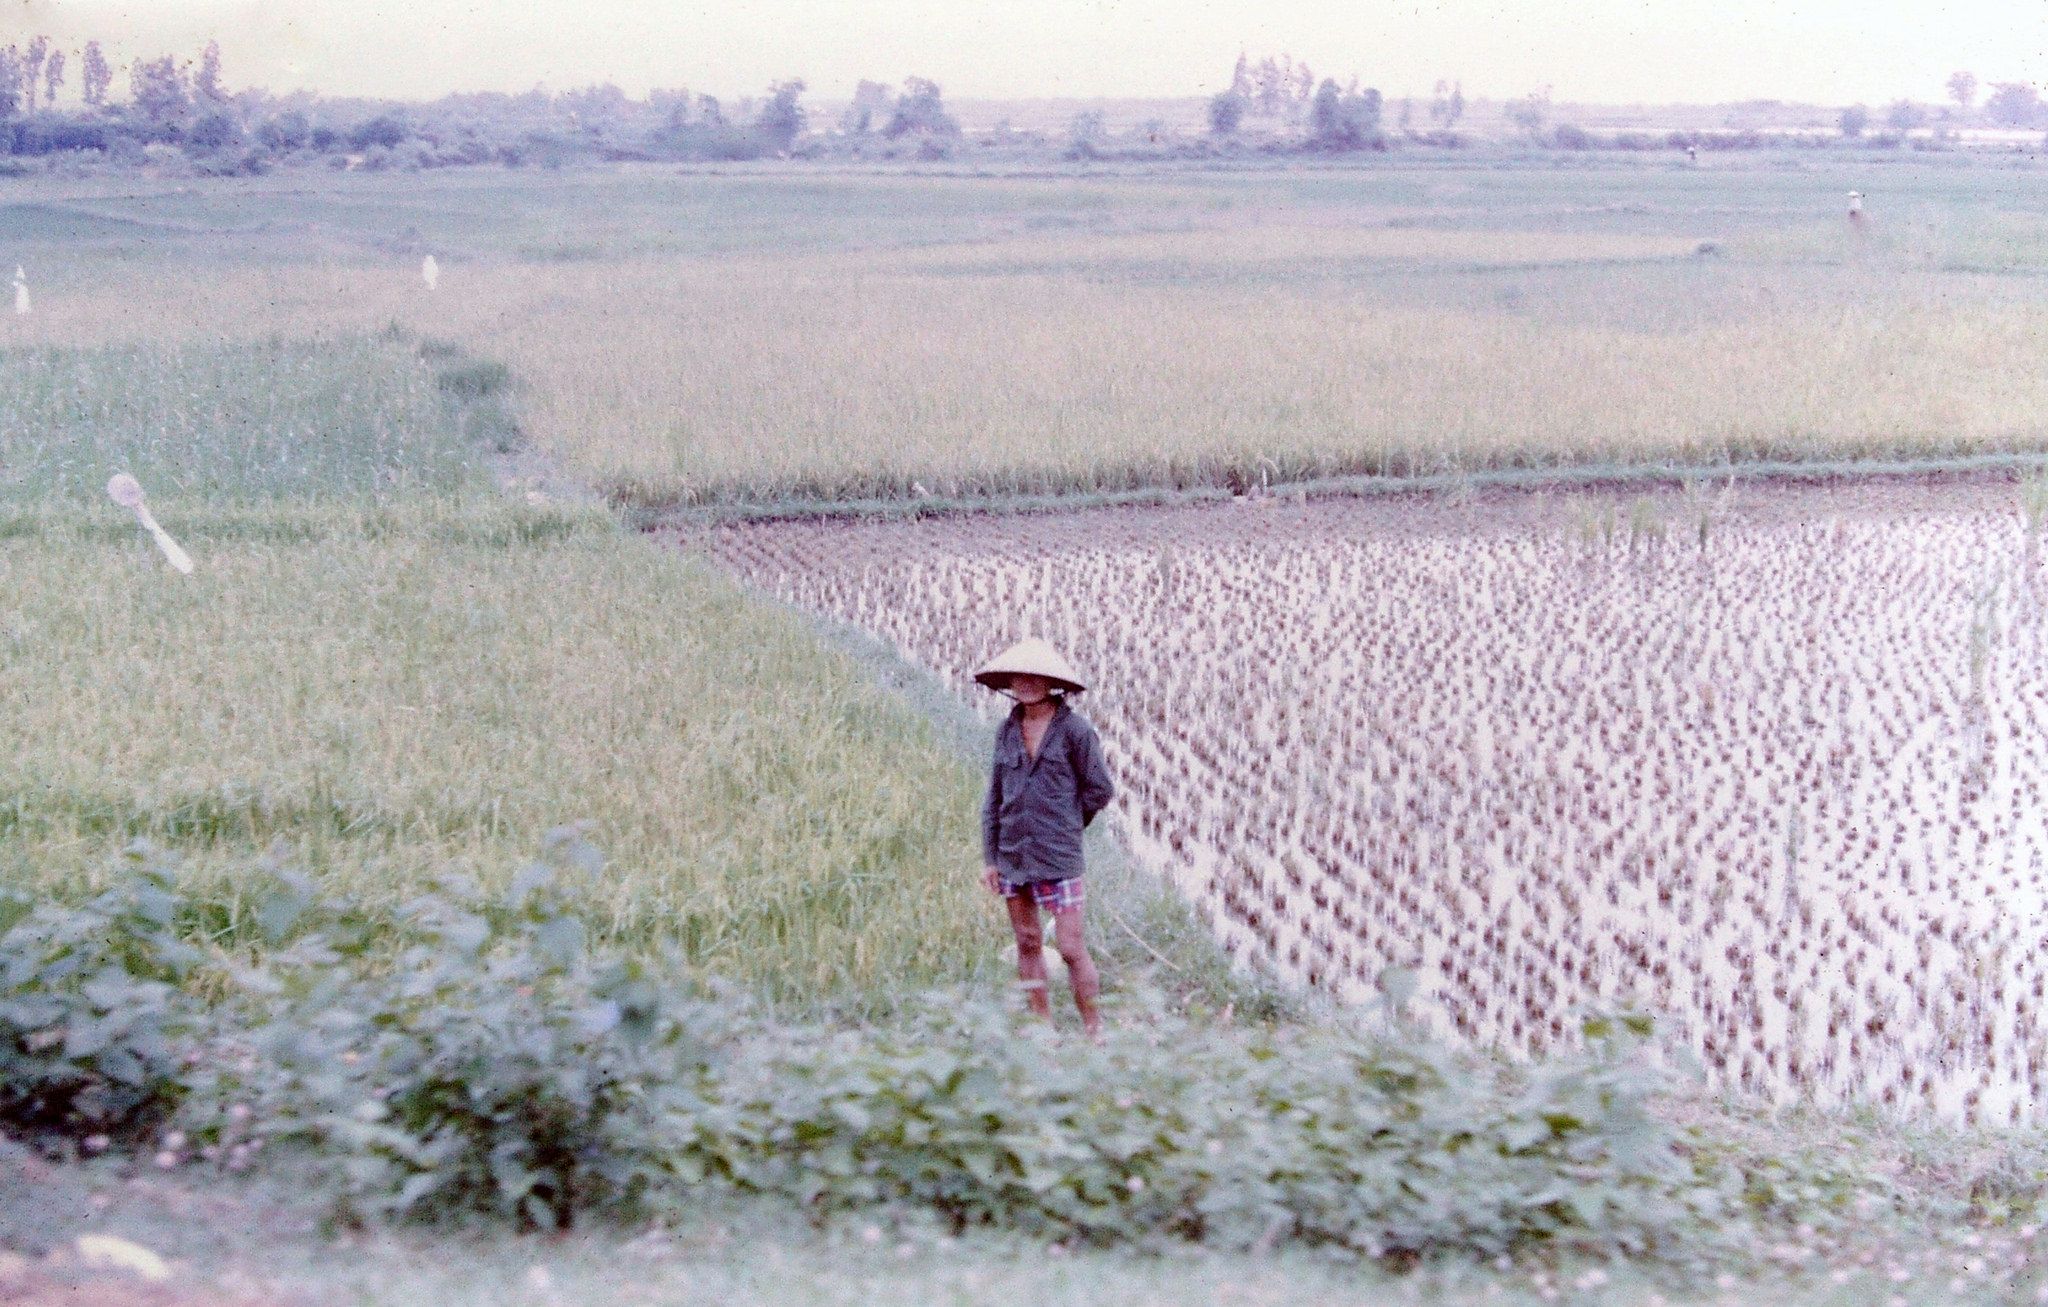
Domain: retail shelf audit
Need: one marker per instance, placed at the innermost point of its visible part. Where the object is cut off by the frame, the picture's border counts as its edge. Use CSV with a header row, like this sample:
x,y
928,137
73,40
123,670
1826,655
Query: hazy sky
x,y
1829,51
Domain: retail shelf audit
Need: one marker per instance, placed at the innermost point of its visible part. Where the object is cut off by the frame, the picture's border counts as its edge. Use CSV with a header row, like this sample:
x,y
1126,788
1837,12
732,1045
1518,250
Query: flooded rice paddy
x,y
1767,760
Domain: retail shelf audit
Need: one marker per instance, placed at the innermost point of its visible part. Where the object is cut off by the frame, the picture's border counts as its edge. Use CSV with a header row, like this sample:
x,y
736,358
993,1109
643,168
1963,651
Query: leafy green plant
x,y
1366,1144
497,1068
94,1031
493,1065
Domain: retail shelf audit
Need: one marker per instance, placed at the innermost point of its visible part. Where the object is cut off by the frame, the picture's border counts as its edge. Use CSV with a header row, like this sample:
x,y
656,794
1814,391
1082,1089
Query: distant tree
x,y
782,118
1086,133
10,82
1904,116
1343,120
1852,121
595,109
2013,104
32,69
1529,112
1241,79
97,75
285,132
709,112
207,83
53,76
675,114
216,131
1962,88
1226,112
870,102
1447,105
1406,120
159,89
1273,85
920,110
384,130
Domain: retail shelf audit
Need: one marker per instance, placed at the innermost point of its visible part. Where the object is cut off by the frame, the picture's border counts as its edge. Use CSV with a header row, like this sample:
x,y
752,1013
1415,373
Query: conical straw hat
x,y
1033,657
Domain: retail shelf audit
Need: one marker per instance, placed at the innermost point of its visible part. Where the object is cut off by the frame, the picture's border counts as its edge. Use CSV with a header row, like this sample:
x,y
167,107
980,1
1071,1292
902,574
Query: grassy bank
x,y
383,672
387,703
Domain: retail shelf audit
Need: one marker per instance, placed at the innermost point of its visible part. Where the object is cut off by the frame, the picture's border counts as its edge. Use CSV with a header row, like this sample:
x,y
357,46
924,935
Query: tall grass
x,y
261,420
1027,364
383,673
400,696
840,385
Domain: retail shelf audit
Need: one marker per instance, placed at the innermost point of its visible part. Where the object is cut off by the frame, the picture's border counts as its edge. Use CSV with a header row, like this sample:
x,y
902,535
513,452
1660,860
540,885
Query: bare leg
x,y
1024,923
1070,934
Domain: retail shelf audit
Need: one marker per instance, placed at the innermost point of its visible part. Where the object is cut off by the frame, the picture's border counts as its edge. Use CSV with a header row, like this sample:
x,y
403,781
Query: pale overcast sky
x,y
1827,51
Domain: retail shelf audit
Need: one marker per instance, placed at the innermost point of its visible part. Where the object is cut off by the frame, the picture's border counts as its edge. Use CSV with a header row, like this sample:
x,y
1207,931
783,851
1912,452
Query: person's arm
x,y
1093,775
991,808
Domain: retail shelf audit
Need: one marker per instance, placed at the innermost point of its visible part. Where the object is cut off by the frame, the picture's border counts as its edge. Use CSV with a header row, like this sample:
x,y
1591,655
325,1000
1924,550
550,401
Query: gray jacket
x,y
1032,818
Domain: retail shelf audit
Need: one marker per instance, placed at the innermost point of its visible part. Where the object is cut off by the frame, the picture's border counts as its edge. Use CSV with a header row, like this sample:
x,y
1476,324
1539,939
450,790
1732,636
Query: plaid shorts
x,y
1050,895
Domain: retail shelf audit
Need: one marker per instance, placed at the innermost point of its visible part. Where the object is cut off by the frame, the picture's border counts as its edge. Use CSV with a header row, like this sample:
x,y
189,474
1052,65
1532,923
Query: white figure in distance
x,y
430,272
127,492
1856,219
20,292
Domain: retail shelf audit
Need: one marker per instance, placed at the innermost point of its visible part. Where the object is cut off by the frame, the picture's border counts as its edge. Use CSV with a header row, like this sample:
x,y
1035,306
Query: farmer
x,y
1047,784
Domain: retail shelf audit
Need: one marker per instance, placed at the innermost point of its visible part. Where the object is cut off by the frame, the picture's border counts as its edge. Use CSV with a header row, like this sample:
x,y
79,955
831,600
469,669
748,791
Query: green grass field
x,y
384,672
390,701
257,422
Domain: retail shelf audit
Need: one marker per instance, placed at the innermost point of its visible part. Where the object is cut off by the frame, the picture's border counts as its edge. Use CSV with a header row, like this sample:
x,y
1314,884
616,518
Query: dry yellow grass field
x,y
688,338
690,380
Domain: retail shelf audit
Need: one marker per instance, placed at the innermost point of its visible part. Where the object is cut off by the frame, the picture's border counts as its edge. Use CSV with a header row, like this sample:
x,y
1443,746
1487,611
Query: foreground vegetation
x,y
256,1238
506,1070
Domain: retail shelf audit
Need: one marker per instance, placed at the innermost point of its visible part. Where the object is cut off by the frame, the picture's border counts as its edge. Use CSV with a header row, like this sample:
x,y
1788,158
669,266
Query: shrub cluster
x,y
95,1032
503,1068
1177,1131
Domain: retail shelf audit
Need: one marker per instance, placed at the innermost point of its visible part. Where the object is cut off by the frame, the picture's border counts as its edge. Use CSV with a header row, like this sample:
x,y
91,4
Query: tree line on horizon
x,y
181,110
177,108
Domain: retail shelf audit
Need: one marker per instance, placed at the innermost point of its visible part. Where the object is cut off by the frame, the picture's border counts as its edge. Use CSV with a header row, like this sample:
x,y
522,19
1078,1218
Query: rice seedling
x,y
1783,784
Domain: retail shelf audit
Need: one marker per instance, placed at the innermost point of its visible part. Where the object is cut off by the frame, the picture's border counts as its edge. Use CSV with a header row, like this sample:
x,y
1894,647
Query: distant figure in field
x,y
1692,154
1856,219
430,272
20,291
1047,784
